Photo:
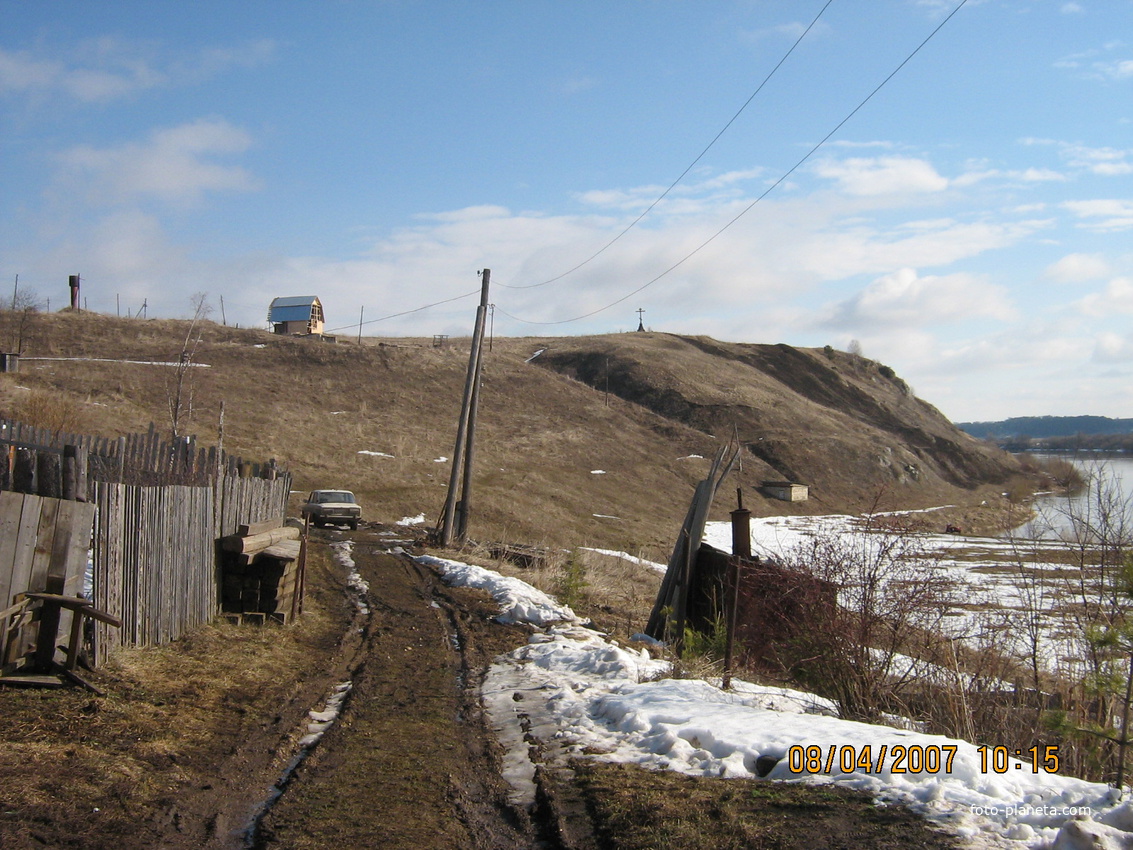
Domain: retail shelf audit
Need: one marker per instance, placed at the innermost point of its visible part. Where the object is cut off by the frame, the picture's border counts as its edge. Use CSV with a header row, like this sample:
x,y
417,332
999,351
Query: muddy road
x,y
411,761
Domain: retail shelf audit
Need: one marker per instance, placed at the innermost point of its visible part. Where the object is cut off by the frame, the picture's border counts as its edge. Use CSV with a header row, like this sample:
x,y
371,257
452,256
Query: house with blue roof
x,y
300,315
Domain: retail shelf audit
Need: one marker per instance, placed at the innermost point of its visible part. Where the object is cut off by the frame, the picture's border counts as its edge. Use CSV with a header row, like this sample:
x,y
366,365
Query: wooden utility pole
x,y
741,552
451,526
361,313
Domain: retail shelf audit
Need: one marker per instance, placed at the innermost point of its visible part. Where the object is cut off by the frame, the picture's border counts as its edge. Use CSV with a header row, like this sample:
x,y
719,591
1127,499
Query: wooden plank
x,y
286,550
25,539
258,542
44,546
254,528
11,507
32,681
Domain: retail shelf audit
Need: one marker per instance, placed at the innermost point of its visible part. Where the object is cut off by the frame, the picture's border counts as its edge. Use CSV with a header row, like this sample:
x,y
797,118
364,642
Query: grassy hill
x,y
597,441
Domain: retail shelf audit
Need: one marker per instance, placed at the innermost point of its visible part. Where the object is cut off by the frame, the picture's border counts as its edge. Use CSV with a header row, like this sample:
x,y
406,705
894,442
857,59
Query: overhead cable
x,y
763,195
682,175
407,312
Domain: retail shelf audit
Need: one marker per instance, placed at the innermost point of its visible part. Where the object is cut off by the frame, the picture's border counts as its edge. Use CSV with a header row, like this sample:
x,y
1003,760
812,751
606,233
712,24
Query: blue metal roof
x,y
294,308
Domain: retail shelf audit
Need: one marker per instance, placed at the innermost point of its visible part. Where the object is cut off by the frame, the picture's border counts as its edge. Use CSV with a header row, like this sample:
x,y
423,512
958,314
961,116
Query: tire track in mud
x,y
411,761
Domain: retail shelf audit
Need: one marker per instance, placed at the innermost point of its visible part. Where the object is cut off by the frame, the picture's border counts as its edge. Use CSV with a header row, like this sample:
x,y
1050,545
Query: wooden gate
x,y
43,549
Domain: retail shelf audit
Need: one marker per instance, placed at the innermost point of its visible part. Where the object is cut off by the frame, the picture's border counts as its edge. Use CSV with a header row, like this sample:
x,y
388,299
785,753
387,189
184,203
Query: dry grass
x,y
542,432
635,809
79,769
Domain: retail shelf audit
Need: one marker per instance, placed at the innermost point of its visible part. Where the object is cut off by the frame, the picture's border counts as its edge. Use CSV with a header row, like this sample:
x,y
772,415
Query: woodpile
x,y
262,573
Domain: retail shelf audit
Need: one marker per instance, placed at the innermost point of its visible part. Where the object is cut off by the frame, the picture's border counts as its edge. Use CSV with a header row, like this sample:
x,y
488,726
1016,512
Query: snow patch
x,y
580,693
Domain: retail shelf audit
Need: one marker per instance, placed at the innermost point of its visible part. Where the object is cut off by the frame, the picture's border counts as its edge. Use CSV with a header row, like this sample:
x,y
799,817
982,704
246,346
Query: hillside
x,y
596,441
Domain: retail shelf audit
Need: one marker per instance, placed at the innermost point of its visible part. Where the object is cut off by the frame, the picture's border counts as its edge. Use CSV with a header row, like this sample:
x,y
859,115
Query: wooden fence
x,y
160,506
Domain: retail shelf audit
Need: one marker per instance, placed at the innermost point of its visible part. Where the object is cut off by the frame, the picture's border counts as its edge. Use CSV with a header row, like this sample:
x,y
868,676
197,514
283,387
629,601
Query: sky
x,y
808,172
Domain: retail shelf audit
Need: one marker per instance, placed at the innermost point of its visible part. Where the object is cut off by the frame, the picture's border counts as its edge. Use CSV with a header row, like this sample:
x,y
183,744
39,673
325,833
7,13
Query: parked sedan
x,y
332,507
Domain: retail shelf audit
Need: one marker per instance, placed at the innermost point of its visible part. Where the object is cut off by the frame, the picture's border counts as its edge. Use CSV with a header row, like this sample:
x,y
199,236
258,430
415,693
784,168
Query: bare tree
x,y
180,389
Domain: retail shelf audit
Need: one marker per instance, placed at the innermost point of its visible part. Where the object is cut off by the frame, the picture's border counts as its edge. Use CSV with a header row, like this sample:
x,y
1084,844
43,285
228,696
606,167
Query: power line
x,y
691,165
407,312
763,195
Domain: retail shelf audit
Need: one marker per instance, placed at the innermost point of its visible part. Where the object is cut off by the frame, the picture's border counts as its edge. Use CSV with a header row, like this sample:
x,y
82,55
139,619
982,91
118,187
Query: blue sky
x,y
969,225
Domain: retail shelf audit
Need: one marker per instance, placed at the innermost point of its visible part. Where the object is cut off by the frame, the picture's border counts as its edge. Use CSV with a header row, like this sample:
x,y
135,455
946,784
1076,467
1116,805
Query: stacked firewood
x,y
262,573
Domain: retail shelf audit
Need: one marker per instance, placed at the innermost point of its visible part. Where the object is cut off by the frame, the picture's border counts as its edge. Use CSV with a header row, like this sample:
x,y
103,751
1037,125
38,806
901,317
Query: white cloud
x,y
1117,298
1078,268
847,250
689,196
108,69
888,175
1103,214
21,72
173,164
1039,175
1105,162
905,299
1122,69
1113,348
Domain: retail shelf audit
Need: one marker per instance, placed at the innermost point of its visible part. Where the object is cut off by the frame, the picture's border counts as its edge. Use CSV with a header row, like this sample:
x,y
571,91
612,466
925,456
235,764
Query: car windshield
x,y
333,496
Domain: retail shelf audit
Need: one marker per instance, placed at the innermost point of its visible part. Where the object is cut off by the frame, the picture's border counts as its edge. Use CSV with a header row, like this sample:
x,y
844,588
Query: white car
x,y
332,507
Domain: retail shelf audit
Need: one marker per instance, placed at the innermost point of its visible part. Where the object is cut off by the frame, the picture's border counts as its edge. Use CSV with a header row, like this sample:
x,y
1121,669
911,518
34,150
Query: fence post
x,y
49,472
75,473
24,471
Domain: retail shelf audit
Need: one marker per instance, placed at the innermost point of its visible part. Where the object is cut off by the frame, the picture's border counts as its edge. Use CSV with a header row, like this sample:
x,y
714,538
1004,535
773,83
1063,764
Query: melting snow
x,y
580,692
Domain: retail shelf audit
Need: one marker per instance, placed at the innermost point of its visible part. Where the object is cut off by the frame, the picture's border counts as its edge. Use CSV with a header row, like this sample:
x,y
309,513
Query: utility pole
x,y
640,323
223,318
451,524
361,313
15,292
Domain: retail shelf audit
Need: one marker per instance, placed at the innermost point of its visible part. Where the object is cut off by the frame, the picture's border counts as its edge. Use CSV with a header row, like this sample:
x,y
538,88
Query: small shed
x,y
786,491
297,314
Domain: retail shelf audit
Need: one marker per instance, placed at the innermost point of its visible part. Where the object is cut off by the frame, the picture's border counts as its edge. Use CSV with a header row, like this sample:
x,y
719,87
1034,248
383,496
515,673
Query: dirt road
x,y
411,762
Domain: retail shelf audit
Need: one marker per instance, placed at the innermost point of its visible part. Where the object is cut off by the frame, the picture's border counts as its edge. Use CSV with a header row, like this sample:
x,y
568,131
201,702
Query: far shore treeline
x,y
1056,433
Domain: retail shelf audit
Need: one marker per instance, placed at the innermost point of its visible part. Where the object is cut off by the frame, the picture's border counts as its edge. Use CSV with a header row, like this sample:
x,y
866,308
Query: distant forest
x,y
1056,433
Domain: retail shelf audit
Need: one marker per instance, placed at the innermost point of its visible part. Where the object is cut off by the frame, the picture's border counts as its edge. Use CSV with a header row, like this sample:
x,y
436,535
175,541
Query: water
x,y
1105,503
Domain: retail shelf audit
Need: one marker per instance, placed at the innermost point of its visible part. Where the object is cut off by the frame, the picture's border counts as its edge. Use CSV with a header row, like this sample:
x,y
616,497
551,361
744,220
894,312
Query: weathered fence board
x,y
43,548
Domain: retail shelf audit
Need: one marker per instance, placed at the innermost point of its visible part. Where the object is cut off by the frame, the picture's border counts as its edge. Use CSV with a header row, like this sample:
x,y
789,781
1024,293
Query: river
x,y
1107,500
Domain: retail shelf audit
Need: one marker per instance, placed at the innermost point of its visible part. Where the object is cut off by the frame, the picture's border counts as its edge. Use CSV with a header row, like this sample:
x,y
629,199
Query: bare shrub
x,y
51,410
1078,622
891,604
